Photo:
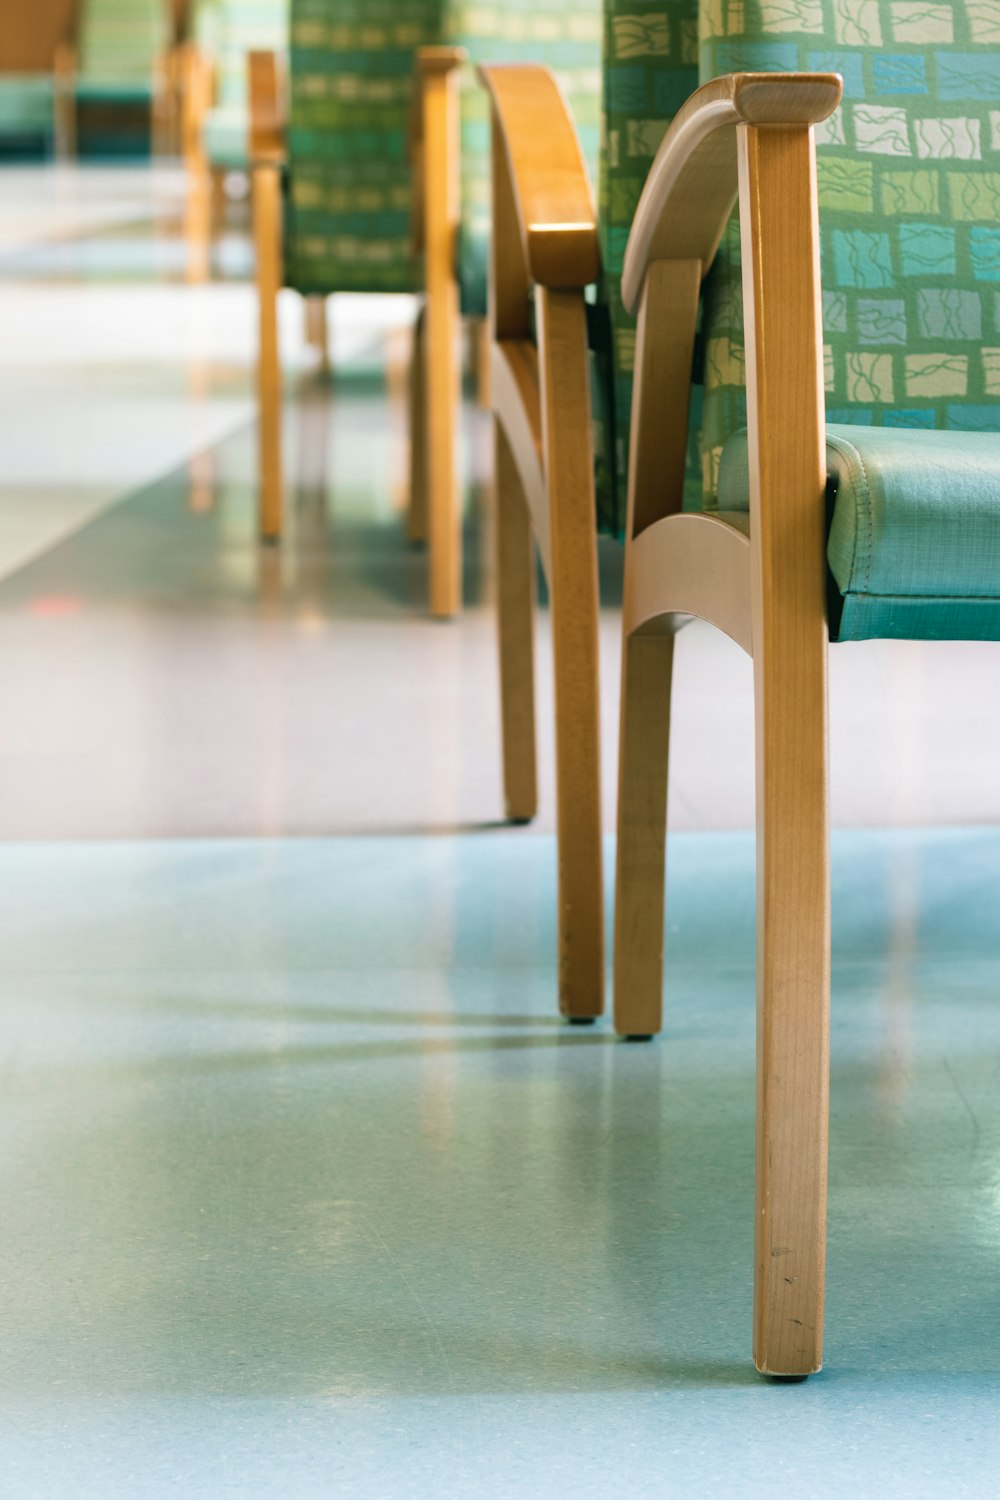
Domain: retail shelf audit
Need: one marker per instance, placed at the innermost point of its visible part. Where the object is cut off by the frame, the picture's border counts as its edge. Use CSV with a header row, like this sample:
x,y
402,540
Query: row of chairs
x,y
788,413
118,65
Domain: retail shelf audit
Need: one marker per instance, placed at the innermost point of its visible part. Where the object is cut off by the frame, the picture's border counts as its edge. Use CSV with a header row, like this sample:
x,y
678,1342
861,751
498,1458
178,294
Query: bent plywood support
x,y
750,133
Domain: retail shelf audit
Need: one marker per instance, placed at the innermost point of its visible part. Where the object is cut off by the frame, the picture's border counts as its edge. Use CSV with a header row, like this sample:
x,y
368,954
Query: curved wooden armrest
x,y
267,109
692,183
555,206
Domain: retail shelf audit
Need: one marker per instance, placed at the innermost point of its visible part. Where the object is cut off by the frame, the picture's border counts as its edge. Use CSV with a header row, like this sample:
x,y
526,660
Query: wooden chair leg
x,y
416,514
267,240
793,1001
318,329
443,366
516,612
644,744
573,587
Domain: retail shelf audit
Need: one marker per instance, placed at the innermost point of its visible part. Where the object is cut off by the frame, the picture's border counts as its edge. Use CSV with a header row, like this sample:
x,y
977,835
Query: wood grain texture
x,y
780,229
30,34
440,197
552,193
692,184
268,107
266,180
516,394
516,625
569,474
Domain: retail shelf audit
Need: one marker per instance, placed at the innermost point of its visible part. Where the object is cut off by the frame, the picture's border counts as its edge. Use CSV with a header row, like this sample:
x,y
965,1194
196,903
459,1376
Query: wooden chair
x,y
115,78
450,150
877,524
556,358
332,189
215,109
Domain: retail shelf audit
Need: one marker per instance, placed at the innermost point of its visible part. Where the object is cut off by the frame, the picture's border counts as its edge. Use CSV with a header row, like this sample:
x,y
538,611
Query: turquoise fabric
x,y
564,35
914,541
650,55
227,30
909,199
909,196
27,102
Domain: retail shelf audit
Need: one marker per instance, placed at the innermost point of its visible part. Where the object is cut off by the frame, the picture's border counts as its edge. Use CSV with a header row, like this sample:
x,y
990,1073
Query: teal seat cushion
x,y
225,138
914,537
26,104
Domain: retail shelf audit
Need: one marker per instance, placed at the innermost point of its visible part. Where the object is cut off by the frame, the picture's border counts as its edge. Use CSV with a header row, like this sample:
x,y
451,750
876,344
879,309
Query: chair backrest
x,y
564,35
228,29
650,66
348,210
120,40
909,197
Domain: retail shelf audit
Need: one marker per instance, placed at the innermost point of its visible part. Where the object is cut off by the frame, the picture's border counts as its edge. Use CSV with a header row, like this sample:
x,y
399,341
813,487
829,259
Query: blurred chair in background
x,y
113,86
216,110
450,150
332,186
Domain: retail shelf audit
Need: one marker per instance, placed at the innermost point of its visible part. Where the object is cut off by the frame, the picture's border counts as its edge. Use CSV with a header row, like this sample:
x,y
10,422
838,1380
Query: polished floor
x,y
306,1191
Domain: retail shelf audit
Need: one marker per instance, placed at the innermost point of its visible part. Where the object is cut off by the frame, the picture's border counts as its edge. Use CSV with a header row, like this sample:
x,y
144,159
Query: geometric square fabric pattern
x,y
909,202
349,215
650,68
348,205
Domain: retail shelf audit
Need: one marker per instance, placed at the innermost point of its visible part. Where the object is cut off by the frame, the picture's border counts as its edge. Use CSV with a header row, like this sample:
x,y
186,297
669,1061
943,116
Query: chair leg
x,y
793,992
318,330
569,473
443,368
516,611
267,240
416,515
644,744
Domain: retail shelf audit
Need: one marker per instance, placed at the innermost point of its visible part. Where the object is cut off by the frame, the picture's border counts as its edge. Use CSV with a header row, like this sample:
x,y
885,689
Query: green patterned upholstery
x,y
348,209
26,108
564,35
909,194
650,67
226,30
352,63
120,41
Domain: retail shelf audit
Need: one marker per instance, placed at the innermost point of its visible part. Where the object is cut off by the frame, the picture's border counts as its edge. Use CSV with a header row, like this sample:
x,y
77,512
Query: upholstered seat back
x,y
227,30
909,197
650,67
564,35
348,211
119,44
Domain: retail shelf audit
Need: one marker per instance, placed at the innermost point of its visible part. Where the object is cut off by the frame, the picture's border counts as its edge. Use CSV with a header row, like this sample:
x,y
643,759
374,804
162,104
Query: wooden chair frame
x,y
268,156
762,580
544,250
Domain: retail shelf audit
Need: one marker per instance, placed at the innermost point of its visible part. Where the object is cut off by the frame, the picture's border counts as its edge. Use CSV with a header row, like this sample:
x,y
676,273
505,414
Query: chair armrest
x,y
692,184
432,66
268,109
548,175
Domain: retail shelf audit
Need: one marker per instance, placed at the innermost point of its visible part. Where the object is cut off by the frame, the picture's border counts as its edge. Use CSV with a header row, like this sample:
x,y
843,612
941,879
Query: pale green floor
x,y
305,1191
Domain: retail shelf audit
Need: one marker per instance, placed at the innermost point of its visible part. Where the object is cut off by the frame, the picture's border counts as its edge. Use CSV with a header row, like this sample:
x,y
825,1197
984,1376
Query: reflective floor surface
x,y
306,1192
